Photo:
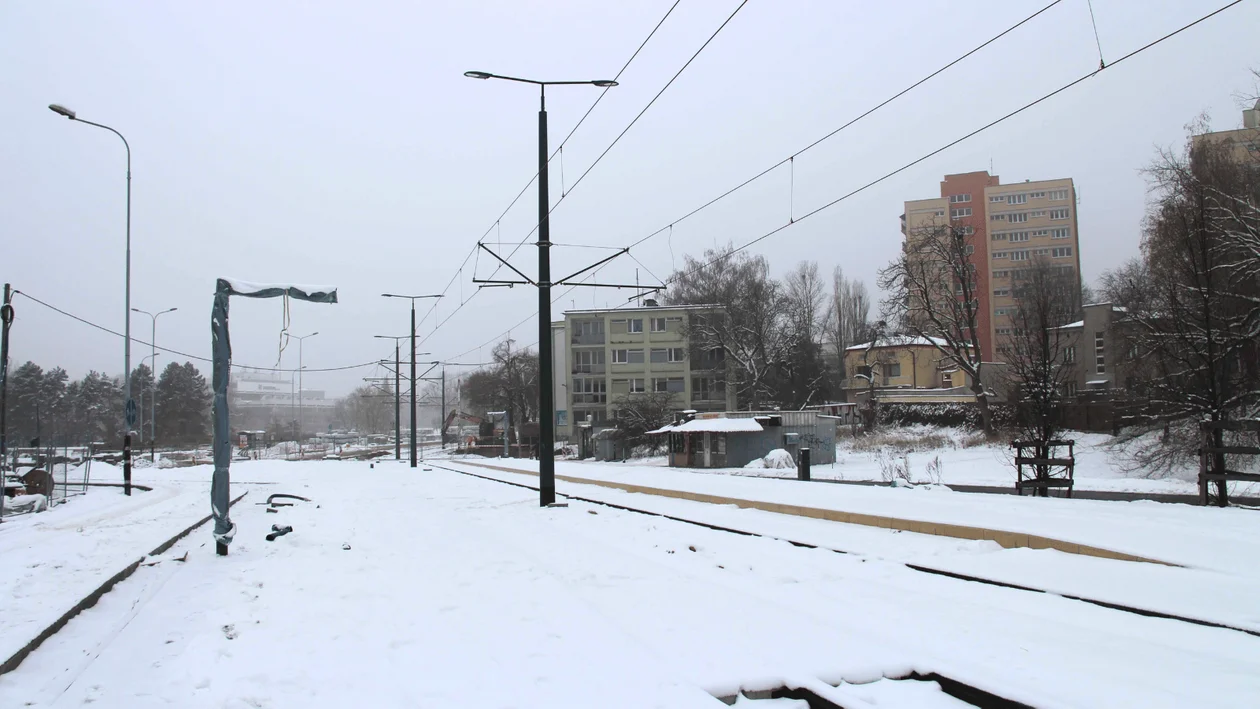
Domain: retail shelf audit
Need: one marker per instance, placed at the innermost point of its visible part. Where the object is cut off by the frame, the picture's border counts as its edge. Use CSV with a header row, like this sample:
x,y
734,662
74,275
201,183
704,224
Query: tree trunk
x,y
982,403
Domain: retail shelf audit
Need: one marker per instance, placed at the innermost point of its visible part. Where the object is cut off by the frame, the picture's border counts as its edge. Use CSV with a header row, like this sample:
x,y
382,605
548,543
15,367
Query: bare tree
x,y
510,384
1193,301
637,414
748,333
802,373
1037,352
932,293
847,321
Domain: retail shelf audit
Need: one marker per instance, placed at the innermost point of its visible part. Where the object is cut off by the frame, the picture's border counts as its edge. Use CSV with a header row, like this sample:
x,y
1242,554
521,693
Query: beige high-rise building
x,y
1244,142
1007,226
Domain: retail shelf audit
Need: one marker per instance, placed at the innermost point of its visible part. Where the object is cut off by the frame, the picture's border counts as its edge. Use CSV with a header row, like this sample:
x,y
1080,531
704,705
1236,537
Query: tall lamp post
x,y
153,404
546,395
129,409
301,392
413,299
397,394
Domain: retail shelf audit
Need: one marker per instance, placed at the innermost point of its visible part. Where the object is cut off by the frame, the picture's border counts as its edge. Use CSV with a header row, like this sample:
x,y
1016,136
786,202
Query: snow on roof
x,y
1078,323
901,341
1092,382
714,425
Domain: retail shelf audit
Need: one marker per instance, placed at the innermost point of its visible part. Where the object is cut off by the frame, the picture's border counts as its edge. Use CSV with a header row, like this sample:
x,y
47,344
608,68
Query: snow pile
x,y
777,458
22,504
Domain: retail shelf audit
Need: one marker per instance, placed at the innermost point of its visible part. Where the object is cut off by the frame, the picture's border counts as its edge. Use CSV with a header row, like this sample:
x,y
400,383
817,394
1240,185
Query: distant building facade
x,y
1244,143
611,354
263,400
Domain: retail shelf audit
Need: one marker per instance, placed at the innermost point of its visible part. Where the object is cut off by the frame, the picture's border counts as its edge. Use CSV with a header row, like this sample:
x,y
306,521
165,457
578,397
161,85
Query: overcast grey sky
x,y
340,143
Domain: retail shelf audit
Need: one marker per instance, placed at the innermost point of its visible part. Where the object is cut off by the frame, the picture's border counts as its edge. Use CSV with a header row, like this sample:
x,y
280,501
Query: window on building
x,y
1040,252
967,230
1003,331
969,249
1000,254
636,386
1017,199
658,324
1061,251
589,390
672,385
1019,236
997,217
1001,274
587,328
1019,255
619,356
959,198
939,213
1000,311
892,369
1017,217
1059,213
1100,352
1069,388
1058,194
1037,195
586,361
708,389
634,325
947,380
994,199
1037,214
667,354
1060,233
998,236
1001,292
1069,354
960,212
634,356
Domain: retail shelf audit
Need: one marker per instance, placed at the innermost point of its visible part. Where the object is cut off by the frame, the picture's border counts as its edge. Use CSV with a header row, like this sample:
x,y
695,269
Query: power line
x,y
927,156
952,143
633,121
524,189
168,350
598,159
788,159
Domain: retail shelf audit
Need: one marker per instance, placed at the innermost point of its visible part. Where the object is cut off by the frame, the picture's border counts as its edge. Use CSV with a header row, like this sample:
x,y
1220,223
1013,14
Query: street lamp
x,y
153,404
130,405
301,391
546,395
413,299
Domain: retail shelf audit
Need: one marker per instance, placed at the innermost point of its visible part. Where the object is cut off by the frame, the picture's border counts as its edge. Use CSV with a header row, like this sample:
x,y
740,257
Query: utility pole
x,y
546,392
152,404
442,433
397,404
301,392
413,299
6,319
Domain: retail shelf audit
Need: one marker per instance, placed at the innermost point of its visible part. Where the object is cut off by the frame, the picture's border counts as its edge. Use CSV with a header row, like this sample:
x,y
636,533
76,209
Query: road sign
x,y
131,413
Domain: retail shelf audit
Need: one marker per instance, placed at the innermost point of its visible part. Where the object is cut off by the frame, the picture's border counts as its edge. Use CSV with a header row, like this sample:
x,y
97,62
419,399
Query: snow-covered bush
x,y
777,458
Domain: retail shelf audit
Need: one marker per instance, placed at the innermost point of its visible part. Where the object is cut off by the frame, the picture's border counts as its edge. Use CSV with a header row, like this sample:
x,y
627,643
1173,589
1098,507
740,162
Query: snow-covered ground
x,y
964,459
430,588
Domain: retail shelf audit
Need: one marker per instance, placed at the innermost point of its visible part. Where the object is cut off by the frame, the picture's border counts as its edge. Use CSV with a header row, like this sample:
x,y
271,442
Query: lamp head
x,y
61,110
605,83
478,74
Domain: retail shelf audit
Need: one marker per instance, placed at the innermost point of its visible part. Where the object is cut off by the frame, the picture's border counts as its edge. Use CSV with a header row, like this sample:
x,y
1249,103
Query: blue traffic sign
x,y
131,413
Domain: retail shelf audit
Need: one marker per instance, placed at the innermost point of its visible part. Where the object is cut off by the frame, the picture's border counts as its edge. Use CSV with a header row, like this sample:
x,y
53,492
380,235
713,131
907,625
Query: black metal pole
x,y
546,391
397,403
412,405
443,432
6,319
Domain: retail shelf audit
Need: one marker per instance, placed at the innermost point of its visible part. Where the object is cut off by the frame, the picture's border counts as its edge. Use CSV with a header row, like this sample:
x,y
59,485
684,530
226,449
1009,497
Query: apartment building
x,y
1006,227
1244,143
612,354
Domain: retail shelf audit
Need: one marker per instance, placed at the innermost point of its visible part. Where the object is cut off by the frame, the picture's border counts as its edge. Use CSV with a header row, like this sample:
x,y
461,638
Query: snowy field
x,y
430,588
963,458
